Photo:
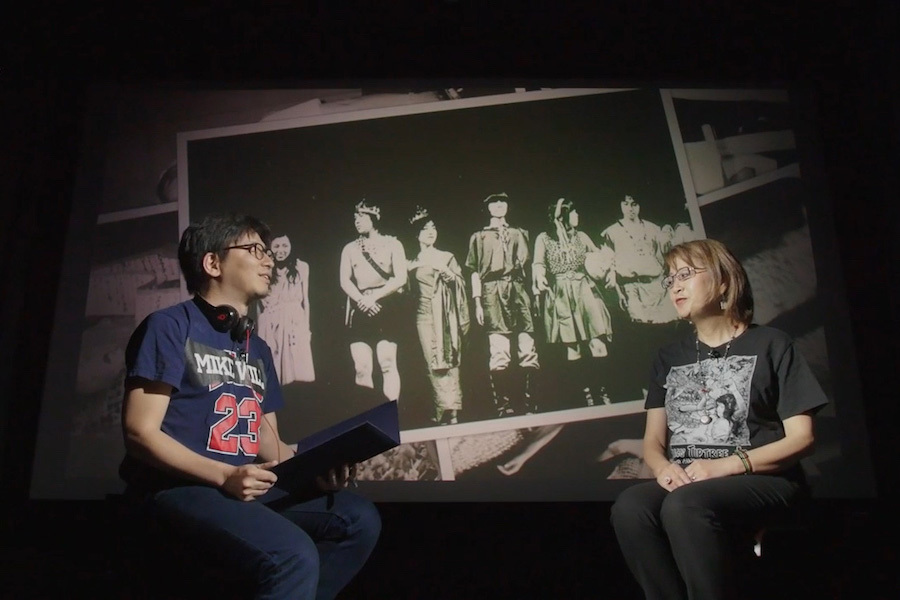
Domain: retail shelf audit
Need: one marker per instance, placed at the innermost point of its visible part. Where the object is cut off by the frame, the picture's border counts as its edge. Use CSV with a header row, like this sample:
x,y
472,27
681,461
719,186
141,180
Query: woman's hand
x,y
672,477
707,469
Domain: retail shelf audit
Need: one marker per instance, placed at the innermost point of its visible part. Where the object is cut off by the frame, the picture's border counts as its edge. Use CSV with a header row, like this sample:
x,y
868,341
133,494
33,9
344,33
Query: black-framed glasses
x,y
682,274
258,250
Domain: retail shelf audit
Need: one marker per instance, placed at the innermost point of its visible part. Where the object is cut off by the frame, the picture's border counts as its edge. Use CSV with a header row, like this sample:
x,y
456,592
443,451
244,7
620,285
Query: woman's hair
x,y
213,234
290,263
724,268
558,217
417,222
730,404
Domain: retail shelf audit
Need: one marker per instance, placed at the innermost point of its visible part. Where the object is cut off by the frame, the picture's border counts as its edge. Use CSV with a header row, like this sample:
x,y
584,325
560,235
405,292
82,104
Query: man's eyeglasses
x,y
682,274
259,251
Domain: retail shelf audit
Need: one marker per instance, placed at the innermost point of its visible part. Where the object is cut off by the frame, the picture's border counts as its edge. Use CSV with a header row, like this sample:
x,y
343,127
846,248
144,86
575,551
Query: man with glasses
x,y
201,434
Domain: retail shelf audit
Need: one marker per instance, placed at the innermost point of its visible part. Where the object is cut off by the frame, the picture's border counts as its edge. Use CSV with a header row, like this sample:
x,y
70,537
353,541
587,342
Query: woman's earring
x,y
722,303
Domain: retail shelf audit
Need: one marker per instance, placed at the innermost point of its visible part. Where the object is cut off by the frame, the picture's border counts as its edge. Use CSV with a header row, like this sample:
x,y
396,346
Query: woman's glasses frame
x,y
682,274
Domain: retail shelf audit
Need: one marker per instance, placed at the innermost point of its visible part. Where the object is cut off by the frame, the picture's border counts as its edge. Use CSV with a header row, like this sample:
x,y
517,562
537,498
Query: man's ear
x,y
212,265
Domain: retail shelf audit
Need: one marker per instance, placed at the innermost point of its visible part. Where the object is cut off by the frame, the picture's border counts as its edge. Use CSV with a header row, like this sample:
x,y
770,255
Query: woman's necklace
x,y
701,372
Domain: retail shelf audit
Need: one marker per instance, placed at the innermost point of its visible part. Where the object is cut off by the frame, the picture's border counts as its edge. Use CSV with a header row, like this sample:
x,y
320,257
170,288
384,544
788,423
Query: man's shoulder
x,y
171,323
614,228
176,312
651,225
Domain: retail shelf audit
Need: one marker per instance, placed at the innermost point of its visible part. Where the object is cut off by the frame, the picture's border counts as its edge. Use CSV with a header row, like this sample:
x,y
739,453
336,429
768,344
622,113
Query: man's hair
x,y
724,268
500,197
214,233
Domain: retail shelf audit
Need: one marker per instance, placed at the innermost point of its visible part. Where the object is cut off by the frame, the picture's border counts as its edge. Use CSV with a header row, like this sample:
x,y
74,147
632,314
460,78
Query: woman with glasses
x,y
284,315
715,483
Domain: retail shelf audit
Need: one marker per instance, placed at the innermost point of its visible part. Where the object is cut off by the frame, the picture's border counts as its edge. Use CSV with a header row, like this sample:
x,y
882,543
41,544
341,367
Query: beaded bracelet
x,y
745,460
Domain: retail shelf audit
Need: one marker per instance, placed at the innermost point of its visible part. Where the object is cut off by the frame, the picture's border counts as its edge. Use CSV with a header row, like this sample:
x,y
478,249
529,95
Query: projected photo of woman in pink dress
x,y
284,315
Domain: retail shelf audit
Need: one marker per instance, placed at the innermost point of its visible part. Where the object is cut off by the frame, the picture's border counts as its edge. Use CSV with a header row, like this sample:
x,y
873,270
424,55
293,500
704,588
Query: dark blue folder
x,y
348,442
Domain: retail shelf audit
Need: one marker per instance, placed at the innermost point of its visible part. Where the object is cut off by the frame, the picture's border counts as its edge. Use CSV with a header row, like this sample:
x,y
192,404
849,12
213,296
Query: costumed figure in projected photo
x,y
284,315
498,258
442,315
573,309
729,416
201,434
373,275
638,248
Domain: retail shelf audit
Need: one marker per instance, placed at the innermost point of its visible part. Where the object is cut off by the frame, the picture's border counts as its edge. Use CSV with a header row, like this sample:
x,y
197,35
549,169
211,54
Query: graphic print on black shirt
x,y
707,404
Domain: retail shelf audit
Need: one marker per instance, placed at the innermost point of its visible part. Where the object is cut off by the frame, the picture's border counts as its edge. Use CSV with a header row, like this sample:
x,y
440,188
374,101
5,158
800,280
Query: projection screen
x,y
644,168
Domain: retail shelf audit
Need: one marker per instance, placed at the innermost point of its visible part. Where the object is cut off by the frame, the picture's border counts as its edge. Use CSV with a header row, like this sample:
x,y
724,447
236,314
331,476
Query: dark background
x,y
844,53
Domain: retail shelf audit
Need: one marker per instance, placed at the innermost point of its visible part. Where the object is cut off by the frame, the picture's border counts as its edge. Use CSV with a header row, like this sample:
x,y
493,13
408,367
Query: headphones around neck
x,y
226,318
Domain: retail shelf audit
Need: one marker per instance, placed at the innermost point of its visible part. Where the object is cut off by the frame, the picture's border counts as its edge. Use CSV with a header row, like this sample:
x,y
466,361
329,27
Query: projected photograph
x,y
733,140
489,258
490,263
134,272
599,449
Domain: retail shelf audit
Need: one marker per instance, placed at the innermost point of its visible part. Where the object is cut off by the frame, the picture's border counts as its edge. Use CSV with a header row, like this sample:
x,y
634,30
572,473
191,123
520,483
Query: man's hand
x,y
368,304
248,482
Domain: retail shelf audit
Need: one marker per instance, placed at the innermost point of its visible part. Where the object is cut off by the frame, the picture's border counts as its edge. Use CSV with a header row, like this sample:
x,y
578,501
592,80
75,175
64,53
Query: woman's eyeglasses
x,y
682,274
259,251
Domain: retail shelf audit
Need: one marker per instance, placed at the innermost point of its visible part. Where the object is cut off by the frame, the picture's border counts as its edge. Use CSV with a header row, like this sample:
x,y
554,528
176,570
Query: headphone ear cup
x,y
225,318
243,327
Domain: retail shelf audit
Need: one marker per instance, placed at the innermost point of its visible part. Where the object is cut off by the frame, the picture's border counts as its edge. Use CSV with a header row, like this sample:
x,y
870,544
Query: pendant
x,y
706,419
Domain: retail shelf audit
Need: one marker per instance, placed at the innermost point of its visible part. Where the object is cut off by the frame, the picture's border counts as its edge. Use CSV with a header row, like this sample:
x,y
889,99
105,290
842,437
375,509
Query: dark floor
x,y
845,549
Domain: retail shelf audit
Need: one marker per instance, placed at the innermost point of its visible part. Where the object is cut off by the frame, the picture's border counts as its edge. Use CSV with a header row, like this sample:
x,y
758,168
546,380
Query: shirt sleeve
x,y
473,258
799,390
656,391
156,350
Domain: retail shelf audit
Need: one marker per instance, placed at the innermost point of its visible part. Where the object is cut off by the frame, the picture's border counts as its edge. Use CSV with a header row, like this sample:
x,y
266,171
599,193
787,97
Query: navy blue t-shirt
x,y
220,387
